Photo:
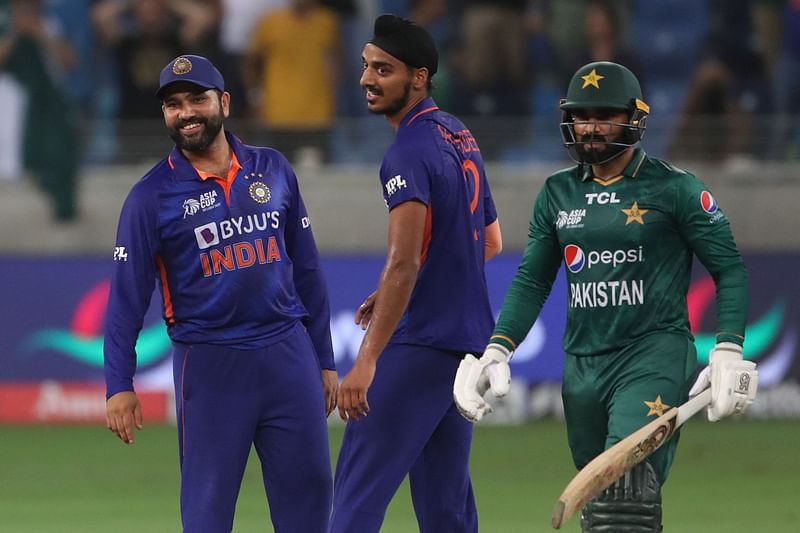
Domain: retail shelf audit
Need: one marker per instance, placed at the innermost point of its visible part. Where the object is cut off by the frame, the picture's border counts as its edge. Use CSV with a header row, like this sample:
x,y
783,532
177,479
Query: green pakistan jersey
x,y
627,244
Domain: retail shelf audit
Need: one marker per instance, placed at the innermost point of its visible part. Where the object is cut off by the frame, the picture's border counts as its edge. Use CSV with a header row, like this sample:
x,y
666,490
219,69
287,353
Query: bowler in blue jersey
x,y
221,228
431,306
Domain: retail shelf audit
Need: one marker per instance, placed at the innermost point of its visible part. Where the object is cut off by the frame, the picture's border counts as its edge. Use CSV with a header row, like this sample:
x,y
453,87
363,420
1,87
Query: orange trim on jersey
x,y
426,236
162,272
226,182
609,181
171,164
503,337
639,165
412,119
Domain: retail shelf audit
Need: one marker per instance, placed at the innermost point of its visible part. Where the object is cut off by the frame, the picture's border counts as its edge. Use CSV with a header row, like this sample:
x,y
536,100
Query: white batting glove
x,y
475,376
734,381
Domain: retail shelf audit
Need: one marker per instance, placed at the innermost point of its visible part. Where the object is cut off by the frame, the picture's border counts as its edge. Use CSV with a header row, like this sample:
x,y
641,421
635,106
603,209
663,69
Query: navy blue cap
x,y
191,69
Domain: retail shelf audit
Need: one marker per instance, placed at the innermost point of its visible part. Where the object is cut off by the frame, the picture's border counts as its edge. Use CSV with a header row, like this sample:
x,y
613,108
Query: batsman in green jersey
x,y
626,227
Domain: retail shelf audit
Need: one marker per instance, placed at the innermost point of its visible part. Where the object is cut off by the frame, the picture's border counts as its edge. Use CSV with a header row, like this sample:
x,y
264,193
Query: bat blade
x,y
609,466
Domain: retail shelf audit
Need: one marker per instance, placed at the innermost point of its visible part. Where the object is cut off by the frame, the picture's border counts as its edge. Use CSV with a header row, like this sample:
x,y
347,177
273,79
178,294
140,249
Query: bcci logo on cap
x,y
181,66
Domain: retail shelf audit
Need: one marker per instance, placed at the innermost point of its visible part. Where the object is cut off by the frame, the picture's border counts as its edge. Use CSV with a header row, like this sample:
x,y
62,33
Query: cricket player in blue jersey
x,y
222,228
431,306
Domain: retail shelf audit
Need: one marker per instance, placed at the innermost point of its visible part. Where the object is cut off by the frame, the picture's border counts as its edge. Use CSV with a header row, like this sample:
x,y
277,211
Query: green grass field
x,y
730,476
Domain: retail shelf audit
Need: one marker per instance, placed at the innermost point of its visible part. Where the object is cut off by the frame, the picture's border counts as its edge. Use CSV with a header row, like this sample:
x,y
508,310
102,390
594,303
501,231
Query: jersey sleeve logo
x,y
120,254
395,184
708,203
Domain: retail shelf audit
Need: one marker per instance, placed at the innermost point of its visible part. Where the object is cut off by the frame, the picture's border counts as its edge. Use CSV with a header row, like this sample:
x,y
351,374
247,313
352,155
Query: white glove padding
x,y
475,376
734,382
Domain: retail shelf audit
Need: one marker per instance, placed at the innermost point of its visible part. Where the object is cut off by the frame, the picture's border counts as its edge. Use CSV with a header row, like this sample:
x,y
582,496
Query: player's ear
x,y
420,78
225,103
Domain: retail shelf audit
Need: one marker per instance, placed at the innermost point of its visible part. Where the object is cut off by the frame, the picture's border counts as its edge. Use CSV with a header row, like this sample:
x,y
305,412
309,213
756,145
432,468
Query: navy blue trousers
x,y
413,428
229,400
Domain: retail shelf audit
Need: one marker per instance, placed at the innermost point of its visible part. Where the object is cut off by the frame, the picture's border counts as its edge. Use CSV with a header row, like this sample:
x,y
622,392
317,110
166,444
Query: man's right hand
x,y
733,381
123,412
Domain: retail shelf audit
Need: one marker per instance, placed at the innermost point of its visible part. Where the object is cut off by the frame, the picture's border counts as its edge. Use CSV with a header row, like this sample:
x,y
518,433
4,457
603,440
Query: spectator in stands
x,y
604,39
354,21
290,72
729,91
36,56
432,15
785,141
144,35
494,59
239,18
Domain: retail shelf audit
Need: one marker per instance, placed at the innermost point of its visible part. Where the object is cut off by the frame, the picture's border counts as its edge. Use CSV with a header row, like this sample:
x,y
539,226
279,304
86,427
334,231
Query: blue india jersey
x,y
436,161
235,260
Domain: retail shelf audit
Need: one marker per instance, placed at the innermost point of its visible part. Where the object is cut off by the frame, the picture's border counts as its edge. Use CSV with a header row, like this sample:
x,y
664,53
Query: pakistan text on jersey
x,y
239,255
606,293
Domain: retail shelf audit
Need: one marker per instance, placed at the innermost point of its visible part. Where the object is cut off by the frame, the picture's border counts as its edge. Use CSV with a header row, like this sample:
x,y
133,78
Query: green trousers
x,y
608,397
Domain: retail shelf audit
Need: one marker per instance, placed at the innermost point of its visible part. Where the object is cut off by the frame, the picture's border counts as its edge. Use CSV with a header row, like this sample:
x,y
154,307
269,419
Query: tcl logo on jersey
x,y
601,198
576,259
708,203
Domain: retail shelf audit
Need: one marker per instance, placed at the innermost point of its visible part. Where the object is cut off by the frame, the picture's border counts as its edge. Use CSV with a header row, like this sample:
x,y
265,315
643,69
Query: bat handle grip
x,y
690,408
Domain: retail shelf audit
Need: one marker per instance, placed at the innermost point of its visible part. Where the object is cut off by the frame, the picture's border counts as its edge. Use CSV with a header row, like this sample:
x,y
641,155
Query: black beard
x,y
393,108
213,125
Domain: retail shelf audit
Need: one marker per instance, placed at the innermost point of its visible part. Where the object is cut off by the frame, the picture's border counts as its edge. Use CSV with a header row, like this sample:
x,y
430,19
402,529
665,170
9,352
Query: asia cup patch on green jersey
x,y
573,219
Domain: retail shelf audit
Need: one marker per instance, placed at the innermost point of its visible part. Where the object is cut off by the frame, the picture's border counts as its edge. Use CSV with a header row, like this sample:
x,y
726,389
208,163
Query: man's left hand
x,y
330,387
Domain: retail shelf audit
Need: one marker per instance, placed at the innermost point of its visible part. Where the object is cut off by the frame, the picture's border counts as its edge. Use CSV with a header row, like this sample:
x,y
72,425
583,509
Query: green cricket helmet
x,y
609,86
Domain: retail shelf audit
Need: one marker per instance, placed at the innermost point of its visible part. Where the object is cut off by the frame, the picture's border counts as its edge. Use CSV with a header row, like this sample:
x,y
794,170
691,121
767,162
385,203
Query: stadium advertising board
x,y
53,309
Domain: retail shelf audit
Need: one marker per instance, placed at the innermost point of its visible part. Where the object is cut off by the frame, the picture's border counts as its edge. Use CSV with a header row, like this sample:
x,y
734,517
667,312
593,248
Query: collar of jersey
x,y
184,170
233,169
426,105
631,169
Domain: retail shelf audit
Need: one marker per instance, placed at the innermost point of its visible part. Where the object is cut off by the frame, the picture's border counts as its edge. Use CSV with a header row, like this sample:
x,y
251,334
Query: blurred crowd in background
x,y
78,77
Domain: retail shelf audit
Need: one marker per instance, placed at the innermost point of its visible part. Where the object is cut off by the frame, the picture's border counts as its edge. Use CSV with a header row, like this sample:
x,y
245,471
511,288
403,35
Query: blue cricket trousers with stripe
x,y
231,399
414,428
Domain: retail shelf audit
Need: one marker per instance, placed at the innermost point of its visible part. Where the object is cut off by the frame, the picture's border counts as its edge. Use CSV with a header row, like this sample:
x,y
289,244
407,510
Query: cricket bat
x,y
609,466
